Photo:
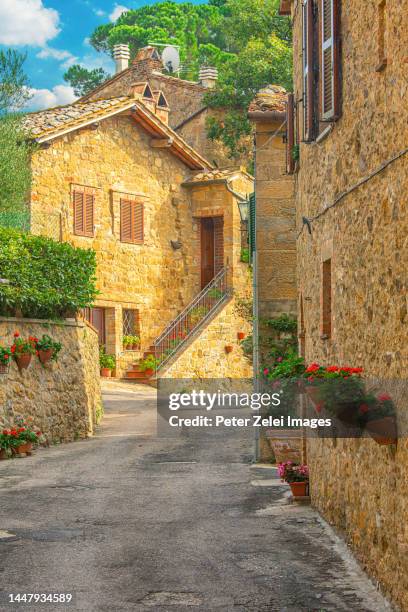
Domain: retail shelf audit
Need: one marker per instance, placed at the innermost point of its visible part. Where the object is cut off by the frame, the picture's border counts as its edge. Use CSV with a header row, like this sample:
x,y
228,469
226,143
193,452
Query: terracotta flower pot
x,y
45,356
241,335
299,489
383,431
23,361
149,372
3,454
229,348
135,347
4,368
106,372
313,395
25,448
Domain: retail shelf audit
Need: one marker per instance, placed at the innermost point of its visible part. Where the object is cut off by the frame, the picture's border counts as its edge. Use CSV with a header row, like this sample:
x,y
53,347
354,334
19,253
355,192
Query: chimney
x,y
208,77
121,55
147,60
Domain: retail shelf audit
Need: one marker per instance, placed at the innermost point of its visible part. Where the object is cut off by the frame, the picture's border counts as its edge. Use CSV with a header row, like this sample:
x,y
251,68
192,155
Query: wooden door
x,y
207,251
96,316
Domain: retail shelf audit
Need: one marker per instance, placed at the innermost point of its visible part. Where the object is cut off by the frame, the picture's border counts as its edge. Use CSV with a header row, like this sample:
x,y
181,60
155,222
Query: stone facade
x,y
355,179
63,397
117,160
206,357
275,267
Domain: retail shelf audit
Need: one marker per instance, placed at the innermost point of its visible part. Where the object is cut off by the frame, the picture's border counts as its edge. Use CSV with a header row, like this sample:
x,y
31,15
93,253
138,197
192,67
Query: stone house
x,y
347,133
112,175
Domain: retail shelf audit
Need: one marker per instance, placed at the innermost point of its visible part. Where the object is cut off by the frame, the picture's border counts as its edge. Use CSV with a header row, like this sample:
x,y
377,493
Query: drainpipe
x,y
255,337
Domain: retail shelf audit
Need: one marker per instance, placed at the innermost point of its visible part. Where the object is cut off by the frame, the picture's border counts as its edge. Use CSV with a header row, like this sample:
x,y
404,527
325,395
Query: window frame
x,y
84,192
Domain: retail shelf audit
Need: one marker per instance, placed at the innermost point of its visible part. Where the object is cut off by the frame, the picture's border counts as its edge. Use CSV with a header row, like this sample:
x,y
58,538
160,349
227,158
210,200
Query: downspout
x,y
255,332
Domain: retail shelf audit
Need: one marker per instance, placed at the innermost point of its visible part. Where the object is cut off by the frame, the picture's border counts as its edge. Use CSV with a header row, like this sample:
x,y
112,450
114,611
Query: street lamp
x,y
243,206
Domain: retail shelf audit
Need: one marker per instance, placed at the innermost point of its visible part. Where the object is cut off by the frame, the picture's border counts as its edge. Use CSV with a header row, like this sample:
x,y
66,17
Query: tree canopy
x,y
247,40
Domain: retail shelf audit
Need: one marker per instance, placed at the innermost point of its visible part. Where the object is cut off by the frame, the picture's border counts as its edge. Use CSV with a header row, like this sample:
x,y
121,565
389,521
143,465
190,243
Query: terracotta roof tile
x,y
271,98
48,120
219,174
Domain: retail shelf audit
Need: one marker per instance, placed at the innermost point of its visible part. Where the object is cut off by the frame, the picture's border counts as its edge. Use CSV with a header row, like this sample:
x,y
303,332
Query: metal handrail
x,y
200,309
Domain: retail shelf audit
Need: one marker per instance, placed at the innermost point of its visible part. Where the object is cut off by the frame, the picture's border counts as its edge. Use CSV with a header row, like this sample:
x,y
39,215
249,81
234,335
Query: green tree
x,y
82,80
15,173
14,91
15,150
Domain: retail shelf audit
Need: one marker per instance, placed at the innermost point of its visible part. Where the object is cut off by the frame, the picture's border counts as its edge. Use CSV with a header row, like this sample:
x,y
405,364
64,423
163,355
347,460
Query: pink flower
x,y
266,371
279,359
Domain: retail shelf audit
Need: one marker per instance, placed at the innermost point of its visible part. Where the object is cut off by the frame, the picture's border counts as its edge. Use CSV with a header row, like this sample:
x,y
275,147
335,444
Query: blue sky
x,y
54,33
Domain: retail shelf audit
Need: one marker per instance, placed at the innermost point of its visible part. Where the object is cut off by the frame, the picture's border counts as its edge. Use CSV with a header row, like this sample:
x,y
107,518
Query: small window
x,y
130,326
83,213
382,31
326,323
131,221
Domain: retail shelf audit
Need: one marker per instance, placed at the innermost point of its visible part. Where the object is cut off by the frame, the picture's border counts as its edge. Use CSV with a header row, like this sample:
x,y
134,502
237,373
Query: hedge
x,y
47,279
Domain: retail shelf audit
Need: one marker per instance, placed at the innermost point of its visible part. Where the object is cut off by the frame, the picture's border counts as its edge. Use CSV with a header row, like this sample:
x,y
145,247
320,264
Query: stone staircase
x,y
135,372
183,328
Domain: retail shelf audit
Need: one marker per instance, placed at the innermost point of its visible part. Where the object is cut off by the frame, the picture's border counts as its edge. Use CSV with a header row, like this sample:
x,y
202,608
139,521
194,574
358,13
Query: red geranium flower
x,y
16,334
13,432
332,369
13,348
21,429
364,408
38,433
384,397
5,432
6,356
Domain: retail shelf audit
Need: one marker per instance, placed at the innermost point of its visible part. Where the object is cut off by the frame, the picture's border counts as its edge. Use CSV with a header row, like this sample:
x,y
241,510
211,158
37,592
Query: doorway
x,y
96,316
212,248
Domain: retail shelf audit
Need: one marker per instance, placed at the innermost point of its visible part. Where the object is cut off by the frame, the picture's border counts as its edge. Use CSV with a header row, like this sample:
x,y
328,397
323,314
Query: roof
x,y
271,98
218,175
52,123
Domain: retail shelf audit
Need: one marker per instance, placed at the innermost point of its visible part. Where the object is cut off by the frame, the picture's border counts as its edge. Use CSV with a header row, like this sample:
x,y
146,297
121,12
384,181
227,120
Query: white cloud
x,y
59,54
99,12
27,22
117,11
48,98
91,61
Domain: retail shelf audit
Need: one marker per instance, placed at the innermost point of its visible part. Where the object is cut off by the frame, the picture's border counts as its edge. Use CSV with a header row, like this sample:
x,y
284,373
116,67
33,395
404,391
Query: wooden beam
x,y
161,143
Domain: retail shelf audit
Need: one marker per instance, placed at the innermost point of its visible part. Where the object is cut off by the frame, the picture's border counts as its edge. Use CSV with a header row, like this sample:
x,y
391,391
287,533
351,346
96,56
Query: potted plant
x,y
47,349
127,342
378,417
21,439
107,363
338,389
297,476
23,350
5,358
241,335
197,314
149,365
135,342
5,444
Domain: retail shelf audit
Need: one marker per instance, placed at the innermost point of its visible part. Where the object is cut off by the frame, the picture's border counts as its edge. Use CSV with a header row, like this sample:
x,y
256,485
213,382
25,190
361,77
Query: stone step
x,y
139,375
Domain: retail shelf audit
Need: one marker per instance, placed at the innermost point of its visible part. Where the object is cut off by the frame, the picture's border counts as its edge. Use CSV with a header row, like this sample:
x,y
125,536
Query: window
x,y
96,316
382,29
329,69
326,302
130,319
131,222
83,213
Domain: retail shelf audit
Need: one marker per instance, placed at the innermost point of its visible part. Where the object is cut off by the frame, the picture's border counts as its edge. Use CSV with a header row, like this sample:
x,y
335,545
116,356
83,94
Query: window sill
x,y
323,135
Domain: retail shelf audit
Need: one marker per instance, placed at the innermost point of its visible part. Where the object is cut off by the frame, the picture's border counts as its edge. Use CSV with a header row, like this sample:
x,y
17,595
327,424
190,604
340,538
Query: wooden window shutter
x,y
79,213
218,244
83,213
89,215
290,134
308,103
131,221
330,81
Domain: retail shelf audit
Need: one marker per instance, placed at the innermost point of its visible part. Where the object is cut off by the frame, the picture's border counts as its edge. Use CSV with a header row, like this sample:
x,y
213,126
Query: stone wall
x,y
62,397
205,356
359,486
194,131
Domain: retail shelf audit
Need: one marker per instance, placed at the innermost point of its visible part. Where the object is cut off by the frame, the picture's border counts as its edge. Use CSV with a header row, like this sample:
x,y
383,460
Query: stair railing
x,y
191,318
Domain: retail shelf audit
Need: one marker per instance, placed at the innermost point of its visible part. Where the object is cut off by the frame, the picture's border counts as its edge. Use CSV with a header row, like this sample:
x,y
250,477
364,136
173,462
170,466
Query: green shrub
x,y
47,279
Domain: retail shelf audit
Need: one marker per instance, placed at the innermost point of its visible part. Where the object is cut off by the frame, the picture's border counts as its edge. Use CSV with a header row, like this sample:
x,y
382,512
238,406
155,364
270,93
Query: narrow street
x,y
129,521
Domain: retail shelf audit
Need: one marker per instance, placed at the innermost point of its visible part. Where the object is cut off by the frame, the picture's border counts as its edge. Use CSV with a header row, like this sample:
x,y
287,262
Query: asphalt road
x,y
131,521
